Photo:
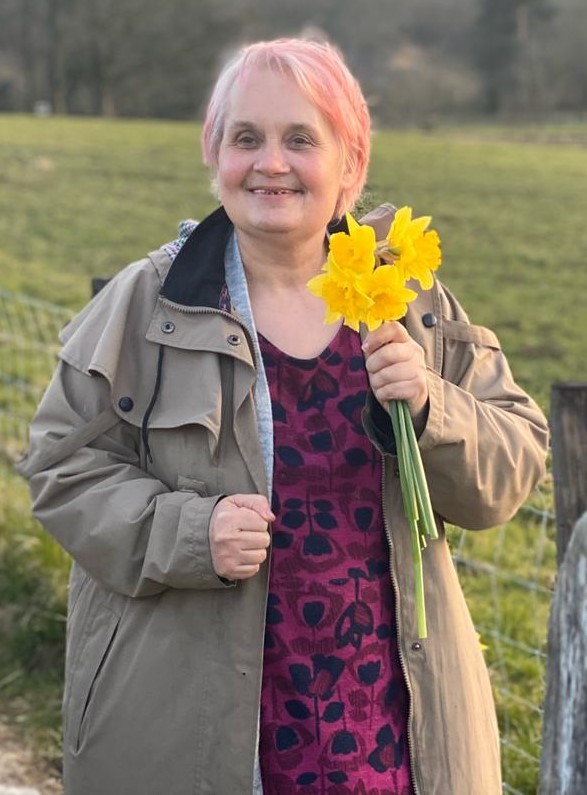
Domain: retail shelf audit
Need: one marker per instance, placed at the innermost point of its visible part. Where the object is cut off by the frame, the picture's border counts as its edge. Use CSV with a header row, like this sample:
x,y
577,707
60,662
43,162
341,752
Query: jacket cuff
x,y
377,424
432,432
196,515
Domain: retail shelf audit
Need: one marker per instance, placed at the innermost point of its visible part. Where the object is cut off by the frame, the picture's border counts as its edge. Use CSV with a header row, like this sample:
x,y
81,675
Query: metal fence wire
x,y
507,573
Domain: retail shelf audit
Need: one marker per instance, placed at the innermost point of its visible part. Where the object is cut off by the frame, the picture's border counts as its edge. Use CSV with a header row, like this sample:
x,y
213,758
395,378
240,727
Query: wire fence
x,y
507,573
28,353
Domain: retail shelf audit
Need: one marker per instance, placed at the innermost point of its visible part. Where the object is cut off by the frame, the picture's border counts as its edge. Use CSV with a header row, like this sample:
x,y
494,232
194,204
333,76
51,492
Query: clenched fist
x,y
239,535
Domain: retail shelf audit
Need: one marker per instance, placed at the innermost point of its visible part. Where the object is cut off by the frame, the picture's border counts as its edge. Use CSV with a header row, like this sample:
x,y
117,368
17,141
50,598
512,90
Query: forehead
x,y
265,96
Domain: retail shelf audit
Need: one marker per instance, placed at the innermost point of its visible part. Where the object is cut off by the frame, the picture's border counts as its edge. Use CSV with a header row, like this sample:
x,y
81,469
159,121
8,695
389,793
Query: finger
x,y
257,503
252,557
400,359
251,540
396,373
230,519
229,562
241,565
242,573
392,331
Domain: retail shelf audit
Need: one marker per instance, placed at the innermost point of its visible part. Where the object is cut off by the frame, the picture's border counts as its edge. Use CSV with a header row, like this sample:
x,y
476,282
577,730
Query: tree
x,y
503,34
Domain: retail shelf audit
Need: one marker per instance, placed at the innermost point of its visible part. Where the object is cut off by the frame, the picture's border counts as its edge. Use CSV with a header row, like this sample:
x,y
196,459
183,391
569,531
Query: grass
x,y
80,198
33,577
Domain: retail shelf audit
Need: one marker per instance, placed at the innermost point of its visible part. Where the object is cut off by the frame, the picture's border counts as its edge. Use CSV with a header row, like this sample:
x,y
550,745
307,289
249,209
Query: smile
x,y
271,192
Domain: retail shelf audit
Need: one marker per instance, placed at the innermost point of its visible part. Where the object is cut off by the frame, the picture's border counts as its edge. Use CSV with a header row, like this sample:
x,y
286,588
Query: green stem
x,y
419,585
409,488
423,495
405,474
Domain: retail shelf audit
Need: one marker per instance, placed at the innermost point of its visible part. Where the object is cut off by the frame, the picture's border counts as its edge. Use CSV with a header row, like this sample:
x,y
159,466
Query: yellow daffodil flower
x,y
389,295
416,252
340,288
355,251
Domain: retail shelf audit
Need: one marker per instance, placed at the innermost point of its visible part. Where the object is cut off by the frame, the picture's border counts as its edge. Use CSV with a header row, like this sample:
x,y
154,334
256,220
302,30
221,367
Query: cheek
x,y
230,171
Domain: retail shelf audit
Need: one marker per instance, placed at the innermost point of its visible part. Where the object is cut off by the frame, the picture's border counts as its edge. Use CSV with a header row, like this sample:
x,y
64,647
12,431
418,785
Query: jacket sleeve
x,y
127,529
485,441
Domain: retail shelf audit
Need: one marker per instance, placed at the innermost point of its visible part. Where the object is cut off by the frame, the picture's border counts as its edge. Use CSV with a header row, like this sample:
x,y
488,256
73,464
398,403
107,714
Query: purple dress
x,y
334,702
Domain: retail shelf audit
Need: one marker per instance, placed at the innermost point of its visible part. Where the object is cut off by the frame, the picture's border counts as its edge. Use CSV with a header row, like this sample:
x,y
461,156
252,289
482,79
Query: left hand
x,y
396,367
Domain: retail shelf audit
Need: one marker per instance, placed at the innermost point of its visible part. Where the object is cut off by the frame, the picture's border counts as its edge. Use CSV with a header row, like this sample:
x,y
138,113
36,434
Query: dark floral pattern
x,y
334,702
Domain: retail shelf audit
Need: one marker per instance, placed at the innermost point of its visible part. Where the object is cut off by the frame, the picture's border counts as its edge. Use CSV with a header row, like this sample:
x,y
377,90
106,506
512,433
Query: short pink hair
x,y
322,75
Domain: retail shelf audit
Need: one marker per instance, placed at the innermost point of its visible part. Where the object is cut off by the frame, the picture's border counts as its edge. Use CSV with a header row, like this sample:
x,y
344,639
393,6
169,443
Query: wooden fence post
x,y
568,423
563,769
97,284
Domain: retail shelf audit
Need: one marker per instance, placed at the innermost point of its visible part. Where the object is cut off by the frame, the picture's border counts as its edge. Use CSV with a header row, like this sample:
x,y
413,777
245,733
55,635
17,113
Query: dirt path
x,y
20,768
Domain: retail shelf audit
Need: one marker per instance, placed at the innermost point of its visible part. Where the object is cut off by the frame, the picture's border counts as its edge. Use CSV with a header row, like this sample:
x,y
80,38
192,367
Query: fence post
x,y
568,423
97,284
563,769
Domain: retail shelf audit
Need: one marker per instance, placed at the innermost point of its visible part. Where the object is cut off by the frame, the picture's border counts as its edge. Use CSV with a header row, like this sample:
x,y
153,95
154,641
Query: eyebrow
x,y
240,124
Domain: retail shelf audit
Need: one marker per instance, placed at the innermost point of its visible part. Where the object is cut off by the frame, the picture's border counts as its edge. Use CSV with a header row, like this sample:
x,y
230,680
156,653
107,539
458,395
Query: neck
x,y
274,264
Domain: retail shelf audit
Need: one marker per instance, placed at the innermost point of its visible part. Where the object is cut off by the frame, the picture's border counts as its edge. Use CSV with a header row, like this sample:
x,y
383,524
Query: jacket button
x,y
233,339
126,403
429,320
168,327
416,646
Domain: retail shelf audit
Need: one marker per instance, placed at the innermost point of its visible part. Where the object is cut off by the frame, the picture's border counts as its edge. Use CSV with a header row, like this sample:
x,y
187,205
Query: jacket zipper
x,y
199,310
415,786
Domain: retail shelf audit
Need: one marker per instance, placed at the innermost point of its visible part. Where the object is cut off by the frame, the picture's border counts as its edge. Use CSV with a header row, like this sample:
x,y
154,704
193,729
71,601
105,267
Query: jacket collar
x,y
197,276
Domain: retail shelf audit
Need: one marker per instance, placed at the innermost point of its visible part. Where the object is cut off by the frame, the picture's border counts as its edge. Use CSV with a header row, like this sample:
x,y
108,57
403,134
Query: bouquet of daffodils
x,y
364,281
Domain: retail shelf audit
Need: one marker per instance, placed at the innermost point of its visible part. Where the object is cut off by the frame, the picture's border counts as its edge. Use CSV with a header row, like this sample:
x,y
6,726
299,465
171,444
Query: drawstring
x,y
151,406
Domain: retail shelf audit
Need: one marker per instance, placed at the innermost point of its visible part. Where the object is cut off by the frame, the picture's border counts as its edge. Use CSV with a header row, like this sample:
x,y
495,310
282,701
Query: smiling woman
x,y
220,464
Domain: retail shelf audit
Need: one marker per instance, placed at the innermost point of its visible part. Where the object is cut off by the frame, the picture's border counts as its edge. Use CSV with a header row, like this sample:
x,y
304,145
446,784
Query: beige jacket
x,y
149,419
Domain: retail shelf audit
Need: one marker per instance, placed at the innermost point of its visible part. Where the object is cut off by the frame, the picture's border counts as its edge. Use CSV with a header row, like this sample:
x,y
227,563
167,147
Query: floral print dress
x,y
334,702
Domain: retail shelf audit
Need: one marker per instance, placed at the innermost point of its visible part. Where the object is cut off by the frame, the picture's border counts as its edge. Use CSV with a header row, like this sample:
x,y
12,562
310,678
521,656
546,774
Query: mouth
x,y
273,191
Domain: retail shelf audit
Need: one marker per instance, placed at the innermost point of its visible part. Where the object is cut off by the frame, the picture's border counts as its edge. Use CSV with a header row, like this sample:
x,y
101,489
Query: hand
x,y
396,367
239,536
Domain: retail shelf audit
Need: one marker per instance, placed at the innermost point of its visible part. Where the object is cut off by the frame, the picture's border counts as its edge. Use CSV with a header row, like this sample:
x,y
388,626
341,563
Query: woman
x,y
203,414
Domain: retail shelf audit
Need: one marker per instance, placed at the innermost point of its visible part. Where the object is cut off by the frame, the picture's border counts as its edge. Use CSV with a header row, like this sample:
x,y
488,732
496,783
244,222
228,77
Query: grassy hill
x,y
82,197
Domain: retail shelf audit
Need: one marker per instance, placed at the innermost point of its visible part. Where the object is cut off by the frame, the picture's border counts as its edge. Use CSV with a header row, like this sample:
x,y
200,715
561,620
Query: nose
x,y
271,159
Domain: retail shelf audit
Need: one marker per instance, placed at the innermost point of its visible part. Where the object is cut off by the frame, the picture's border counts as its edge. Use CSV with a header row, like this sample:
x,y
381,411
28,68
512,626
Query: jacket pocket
x,y
95,646
459,331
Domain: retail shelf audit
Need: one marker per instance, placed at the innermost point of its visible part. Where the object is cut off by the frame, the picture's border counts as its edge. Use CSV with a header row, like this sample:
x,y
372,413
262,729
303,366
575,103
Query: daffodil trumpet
x,y
364,281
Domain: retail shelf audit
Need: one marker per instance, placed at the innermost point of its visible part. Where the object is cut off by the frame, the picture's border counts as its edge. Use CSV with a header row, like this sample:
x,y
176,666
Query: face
x,y
279,164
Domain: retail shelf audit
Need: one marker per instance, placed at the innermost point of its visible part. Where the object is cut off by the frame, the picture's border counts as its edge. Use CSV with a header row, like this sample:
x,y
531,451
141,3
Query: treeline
x,y
416,59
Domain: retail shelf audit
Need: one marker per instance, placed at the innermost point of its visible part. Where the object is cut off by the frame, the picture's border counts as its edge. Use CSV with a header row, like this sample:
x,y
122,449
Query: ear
x,y
347,179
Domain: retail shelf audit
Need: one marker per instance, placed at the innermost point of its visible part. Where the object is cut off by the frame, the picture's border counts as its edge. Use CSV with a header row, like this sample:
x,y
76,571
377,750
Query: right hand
x,y
239,535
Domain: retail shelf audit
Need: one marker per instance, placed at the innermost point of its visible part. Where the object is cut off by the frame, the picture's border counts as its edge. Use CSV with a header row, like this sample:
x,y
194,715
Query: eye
x,y
246,140
300,141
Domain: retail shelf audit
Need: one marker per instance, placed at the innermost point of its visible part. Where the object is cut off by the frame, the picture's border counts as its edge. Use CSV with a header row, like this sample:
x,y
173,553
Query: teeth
x,y
272,192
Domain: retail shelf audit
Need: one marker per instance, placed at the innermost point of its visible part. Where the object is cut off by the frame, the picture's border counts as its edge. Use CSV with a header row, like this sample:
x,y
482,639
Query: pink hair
x,y
321,74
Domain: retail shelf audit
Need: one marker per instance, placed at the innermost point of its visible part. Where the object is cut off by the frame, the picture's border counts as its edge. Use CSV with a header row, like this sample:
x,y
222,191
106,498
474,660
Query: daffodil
x,y
364,281
413,249
354,251
341,290
390,297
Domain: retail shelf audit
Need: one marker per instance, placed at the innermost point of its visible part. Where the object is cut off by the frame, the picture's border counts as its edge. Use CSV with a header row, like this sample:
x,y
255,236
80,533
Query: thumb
x,y
255,502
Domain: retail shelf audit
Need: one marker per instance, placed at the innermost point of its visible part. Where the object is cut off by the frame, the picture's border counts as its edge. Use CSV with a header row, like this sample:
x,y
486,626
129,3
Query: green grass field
x,y
80,198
